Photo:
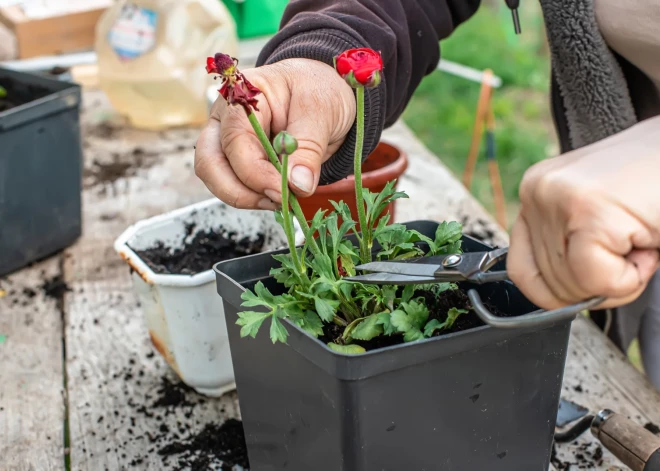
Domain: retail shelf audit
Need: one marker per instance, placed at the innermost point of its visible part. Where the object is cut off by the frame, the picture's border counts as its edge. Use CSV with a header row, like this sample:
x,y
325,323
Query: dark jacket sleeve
x,y
406,32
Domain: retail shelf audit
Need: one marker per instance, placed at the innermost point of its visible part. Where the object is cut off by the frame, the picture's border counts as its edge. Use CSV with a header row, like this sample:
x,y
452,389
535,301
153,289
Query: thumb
x,y
645,261
603,272
305,163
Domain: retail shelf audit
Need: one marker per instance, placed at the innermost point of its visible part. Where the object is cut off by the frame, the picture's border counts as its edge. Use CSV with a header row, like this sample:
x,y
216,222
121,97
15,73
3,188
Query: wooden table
x,y
79,377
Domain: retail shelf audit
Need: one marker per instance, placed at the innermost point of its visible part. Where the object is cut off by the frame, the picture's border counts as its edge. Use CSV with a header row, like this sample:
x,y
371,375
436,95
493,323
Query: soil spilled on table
x,y
439,305
172,394
19,94
585,456
199,253
653,428
163,420
214,443
55,287
120,166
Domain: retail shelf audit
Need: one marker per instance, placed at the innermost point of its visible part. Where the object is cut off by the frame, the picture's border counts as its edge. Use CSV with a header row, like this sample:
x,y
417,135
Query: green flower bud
x,y
285,143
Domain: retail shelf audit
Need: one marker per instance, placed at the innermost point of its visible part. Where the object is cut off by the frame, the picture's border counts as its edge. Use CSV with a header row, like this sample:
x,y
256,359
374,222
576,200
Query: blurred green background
x,y
442,111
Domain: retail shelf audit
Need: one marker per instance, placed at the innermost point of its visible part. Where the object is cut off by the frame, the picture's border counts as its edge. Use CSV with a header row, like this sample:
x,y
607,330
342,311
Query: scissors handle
x,y
532,319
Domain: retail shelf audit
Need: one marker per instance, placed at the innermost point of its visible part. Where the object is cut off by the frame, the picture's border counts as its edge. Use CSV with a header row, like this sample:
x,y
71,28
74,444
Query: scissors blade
x,y
401,268
391,279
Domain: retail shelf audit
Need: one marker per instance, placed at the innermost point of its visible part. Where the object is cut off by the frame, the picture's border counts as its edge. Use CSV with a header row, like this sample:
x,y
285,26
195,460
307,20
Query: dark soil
x,y
438,304
55,287
653,428
19,94
121,166
172,394
167,421
215,443
586,456
200,253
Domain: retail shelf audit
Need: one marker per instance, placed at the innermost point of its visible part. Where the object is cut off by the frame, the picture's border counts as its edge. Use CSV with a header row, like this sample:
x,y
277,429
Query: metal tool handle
x,y
536,318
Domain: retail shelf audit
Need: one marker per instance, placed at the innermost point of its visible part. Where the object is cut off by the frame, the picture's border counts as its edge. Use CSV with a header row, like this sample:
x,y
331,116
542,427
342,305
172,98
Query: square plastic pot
x,y
40,170
183,313
481,399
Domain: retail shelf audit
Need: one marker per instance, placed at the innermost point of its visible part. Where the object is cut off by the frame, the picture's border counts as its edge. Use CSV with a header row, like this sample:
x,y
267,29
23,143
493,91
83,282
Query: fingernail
x,y
267,204
274,196
302,178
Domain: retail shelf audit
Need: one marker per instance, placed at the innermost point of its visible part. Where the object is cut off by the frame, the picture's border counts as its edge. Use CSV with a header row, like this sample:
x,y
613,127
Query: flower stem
x,y
365,249
286,217
295,206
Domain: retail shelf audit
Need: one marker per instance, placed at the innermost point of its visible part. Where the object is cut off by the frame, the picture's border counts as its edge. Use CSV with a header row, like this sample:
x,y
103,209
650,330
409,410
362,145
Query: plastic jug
x,y
151,58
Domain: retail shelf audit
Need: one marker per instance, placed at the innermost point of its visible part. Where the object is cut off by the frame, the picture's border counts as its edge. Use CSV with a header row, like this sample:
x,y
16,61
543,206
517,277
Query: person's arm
x,y
303,94
589,223
406,32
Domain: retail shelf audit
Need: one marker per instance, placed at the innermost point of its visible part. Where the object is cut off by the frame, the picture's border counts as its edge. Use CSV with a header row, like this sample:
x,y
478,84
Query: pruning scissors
x,y
471,267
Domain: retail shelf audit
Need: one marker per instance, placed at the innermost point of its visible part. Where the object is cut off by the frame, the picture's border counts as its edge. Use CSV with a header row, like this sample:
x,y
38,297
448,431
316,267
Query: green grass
x,y
442,110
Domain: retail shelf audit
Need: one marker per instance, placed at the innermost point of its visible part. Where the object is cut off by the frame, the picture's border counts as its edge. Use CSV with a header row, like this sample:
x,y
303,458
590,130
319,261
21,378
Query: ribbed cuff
x,y
324,45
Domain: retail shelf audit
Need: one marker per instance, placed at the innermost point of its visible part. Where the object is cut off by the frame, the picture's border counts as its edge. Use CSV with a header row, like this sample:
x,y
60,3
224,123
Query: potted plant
x,y
40,167
170,258
360,378
384,165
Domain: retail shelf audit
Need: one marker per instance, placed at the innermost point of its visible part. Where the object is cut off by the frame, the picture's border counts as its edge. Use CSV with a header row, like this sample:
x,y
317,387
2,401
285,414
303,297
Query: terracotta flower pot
x,y
385,163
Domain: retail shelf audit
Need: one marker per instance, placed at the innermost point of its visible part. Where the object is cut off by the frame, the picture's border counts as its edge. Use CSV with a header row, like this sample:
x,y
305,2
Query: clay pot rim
x,y
373,178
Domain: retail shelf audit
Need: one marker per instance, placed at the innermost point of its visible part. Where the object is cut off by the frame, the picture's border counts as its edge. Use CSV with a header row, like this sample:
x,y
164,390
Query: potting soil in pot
x,y
198,253
19,95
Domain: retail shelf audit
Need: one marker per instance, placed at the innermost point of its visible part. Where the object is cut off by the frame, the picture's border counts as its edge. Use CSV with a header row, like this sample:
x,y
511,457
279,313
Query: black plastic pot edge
x,y
66,95
42,143
231,278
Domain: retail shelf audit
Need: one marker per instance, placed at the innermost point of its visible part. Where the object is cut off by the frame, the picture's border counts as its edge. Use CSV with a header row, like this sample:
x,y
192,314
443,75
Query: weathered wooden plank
x,y
114,375
599,377
31,380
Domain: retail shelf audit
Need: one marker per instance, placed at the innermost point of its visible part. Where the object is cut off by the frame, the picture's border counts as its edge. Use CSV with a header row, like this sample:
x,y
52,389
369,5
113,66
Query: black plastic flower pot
x,y
40,168
479,399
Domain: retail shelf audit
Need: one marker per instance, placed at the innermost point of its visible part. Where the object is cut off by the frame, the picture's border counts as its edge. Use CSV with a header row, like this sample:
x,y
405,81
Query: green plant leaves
x,y
312,324
368,328
277,331
347,349
409,320
326,308
435,324
448,238
251,321
318,294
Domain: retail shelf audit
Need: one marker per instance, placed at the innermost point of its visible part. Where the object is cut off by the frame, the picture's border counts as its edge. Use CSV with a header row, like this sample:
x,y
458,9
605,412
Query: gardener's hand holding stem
x,y
304,97
590,222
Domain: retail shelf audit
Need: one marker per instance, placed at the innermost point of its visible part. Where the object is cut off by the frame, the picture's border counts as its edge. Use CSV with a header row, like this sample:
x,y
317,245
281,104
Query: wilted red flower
x,y
360,67
221,64
240,92
236,89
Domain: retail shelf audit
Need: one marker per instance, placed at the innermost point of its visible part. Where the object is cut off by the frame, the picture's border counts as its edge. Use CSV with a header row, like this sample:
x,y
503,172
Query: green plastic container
x,y
256,17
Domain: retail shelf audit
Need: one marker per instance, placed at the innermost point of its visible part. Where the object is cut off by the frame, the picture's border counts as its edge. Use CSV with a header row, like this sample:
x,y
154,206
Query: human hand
x,y
305,97
589,223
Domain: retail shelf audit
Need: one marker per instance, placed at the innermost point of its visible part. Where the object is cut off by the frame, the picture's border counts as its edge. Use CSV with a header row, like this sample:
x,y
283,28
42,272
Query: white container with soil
x,y
171,258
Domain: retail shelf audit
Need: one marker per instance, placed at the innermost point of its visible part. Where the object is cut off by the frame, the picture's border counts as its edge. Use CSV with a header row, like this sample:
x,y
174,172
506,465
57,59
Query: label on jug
x,y
134,32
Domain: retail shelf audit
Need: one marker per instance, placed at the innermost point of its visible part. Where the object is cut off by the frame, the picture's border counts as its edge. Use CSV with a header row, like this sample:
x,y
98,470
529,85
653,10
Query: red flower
x,y
239,91
221,64
236,89
360,67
